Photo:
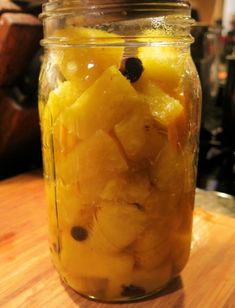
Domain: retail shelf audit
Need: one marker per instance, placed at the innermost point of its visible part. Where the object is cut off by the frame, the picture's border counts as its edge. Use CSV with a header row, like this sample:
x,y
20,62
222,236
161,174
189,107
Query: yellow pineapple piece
x,y
79,259
133,188
99,159
102,106
164,65
152,247
91,164
155,140
120,223
168,170
64,141
61,97
163,108
83,65
72,208
131,133
67,169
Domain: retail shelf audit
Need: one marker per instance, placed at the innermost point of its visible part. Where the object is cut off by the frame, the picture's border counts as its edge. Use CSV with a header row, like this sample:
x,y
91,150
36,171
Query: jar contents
x,y
119,142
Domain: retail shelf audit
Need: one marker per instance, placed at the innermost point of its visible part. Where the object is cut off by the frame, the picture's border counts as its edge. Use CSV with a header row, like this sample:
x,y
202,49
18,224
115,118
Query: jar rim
x,y
113,17
60,7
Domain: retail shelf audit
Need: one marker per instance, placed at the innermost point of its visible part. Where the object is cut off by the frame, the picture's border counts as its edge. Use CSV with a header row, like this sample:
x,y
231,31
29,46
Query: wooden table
x,y
28,278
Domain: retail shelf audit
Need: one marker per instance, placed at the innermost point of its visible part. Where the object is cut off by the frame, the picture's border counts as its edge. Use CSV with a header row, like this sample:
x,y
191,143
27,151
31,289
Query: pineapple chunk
x,y
102,106
120,223
79,259
173,171
155,140
99,160
131,133
168,170
152,248
164,108
61,97
134,188
91,164
72,208
164,65
67,169
64,141
83,65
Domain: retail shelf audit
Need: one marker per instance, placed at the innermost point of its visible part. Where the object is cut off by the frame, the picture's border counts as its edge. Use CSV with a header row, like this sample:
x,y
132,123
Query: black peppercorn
x,y
133,69
79,233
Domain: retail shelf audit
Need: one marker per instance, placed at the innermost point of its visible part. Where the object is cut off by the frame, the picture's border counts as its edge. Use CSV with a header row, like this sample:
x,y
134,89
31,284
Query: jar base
x,y
174,284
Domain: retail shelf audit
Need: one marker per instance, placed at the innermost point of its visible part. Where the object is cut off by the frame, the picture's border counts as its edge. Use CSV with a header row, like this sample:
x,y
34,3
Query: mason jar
x,y
119,105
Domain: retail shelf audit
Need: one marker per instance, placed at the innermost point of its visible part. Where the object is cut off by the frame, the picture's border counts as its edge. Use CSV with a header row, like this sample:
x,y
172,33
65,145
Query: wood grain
x,y
29,280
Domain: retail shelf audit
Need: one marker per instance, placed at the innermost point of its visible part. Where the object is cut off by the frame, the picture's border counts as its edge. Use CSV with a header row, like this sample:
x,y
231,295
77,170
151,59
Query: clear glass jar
x,y
119,108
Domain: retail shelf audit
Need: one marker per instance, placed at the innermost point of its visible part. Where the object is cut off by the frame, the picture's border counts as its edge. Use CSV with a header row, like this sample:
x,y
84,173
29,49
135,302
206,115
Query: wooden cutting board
x,y
27,278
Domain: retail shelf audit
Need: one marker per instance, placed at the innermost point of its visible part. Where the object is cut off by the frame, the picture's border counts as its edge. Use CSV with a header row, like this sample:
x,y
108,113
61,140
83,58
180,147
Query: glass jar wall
x,y
119,107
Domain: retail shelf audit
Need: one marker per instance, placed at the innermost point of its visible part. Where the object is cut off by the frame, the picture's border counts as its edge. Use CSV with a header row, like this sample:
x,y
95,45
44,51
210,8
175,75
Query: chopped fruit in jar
x,y
120,223
155,141
61,97
91,164
164,65
152,247
168,170
102,106
131,133
67,169
163,108
99,160
81,260
83,65
132,69
132,189
99,242
72,207
64,141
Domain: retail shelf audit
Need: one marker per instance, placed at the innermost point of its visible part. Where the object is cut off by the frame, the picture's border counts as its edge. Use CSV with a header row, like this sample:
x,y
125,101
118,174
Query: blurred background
x,y
213,53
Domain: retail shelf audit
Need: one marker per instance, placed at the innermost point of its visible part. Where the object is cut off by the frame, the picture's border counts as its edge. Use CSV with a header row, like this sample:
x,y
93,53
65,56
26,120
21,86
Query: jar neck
x,y
133,21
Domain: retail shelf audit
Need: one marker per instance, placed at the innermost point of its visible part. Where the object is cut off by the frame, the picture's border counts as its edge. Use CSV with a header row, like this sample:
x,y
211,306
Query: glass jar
x,y
119,108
